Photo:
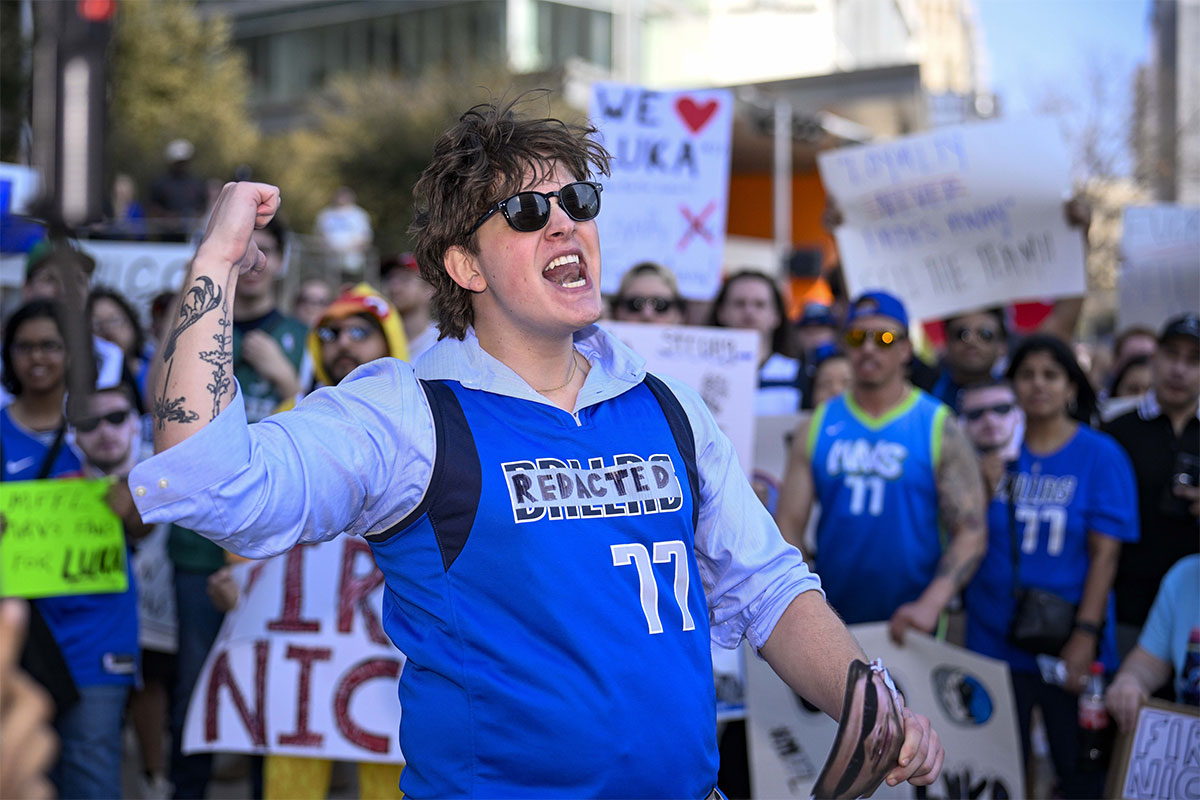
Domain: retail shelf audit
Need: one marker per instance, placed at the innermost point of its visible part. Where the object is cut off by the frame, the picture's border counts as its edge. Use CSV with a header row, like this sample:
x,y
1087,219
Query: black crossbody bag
x,y
1042,621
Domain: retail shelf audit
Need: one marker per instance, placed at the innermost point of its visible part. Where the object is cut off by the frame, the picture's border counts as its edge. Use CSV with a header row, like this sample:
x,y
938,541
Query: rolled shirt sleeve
x,y
353,458
750,573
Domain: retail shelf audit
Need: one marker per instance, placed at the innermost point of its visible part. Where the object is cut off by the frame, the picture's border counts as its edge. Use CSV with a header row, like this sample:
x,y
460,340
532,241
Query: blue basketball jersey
x,y
878,540
547,544
1058,500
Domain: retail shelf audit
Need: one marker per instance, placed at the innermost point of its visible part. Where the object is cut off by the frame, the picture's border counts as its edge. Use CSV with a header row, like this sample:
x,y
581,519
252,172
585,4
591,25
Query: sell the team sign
x,y
1160,264
960,218
667,197
302,666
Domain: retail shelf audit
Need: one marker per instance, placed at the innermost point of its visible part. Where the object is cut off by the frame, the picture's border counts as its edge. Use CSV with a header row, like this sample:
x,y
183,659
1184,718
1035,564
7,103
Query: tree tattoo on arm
x,y
199,300
220,358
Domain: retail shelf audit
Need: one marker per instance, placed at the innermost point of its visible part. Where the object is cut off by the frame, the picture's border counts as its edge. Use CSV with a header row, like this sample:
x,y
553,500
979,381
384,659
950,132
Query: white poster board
x,y
302,666
1160,264
960,218
667,197
719,363
967,697
138,270
1161,760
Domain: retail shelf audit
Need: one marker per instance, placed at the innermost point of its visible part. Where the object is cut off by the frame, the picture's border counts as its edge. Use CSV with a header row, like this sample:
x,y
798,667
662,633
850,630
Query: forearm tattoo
x,y
200,299
960,502
220,358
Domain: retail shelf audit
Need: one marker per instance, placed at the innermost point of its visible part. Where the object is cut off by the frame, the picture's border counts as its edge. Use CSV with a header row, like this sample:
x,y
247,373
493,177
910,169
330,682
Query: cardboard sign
x,y
719,363
967,697
961,218
1160,760
60,537
667,197
1160,264
302,665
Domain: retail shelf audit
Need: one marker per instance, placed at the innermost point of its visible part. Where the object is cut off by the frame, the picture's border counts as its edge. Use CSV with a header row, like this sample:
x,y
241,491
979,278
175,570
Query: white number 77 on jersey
x,y
636,554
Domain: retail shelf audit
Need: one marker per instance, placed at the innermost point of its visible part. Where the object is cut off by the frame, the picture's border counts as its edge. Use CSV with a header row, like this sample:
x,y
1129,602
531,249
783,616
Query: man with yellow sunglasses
x,y
901,498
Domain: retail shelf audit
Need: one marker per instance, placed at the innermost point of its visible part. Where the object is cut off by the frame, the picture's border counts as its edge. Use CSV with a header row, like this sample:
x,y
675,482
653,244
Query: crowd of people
x,y
915,488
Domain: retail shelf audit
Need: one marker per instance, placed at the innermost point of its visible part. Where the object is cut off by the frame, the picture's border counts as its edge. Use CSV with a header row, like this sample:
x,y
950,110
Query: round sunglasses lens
x,y
581,201
527,211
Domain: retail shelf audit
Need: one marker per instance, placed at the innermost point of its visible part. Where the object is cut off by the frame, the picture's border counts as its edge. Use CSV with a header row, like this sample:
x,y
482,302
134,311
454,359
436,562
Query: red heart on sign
x,y
695,116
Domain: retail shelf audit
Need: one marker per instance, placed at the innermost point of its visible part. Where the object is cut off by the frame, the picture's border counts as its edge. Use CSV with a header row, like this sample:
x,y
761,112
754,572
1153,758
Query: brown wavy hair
x,y
488,155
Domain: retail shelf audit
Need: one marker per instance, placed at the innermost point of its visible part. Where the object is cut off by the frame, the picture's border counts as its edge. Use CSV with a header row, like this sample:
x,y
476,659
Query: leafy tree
x,y
176,75
375,134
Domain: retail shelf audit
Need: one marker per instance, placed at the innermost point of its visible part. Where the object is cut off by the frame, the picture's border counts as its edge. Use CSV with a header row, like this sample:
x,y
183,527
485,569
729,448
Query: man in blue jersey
x,y
901,529
560,532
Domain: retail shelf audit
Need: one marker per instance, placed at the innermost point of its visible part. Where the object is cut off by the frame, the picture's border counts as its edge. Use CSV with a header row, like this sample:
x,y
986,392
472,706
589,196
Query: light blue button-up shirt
x,y
357,458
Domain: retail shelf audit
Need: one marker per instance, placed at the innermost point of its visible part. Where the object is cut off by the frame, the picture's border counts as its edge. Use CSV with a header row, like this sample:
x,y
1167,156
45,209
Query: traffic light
x,y
70,99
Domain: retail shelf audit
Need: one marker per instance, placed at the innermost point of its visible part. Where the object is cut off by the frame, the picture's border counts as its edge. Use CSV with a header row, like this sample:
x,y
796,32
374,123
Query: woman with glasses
x,y
751,300
1055,522
649,293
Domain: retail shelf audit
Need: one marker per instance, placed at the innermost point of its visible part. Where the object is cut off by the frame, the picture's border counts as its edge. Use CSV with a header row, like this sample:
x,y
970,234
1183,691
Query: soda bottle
x,y
1093,723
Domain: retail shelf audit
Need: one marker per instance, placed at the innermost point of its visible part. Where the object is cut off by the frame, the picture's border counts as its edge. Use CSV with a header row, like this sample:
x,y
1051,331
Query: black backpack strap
x,y
685,439
452,497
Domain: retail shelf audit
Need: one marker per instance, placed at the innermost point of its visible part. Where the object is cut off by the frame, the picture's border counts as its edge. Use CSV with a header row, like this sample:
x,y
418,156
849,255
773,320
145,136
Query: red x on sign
x,y
696,224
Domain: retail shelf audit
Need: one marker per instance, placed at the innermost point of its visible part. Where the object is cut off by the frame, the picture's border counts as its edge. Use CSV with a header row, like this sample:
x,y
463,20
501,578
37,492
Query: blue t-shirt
x,y
1087,486
97,633
878,540
1172,631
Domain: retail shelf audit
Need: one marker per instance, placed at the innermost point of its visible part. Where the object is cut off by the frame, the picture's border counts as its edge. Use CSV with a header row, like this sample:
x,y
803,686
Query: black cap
x,y
1183,325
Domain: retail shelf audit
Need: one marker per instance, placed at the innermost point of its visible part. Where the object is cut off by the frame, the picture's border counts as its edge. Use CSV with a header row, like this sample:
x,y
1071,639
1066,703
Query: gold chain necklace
x,y
570,376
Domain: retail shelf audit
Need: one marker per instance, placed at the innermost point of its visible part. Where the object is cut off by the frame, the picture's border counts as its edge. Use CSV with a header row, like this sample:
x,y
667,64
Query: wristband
x,y
1087,627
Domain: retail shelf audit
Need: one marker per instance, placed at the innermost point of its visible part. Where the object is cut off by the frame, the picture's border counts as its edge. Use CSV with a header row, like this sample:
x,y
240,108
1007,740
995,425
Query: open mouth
x,y
566,271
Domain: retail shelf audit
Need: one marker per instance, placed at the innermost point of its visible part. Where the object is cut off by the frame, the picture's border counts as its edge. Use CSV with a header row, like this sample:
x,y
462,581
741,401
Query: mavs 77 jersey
x,y
547,596
878,540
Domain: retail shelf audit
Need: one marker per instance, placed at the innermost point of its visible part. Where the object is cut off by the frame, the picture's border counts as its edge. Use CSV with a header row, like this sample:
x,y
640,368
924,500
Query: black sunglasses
x,y
857,337
661,305
530,211
1000,410
965,335
90,424
329,334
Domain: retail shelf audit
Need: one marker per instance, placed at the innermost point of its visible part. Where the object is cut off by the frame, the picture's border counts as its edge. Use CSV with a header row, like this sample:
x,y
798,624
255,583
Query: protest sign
x,y
1160,264
667,197
138,270
967,697
719,363
961,218
772,435
1160,759
302,665
59,537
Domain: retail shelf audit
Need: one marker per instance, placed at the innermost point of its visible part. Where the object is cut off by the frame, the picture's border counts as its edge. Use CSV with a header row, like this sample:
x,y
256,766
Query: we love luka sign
x,y
667,198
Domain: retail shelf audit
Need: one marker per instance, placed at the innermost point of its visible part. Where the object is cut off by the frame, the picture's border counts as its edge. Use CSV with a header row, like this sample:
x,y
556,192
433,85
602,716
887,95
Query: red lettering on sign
x,y
306,656
293,594
355,677
354,589
222,675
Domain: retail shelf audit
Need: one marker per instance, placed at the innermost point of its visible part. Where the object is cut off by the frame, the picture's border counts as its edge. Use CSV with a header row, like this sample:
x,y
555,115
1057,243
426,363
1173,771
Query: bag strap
x,y
52,453
1011,477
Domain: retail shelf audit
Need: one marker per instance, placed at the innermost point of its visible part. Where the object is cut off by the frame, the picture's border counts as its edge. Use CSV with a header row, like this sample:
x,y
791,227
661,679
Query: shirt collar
x,y
615,367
